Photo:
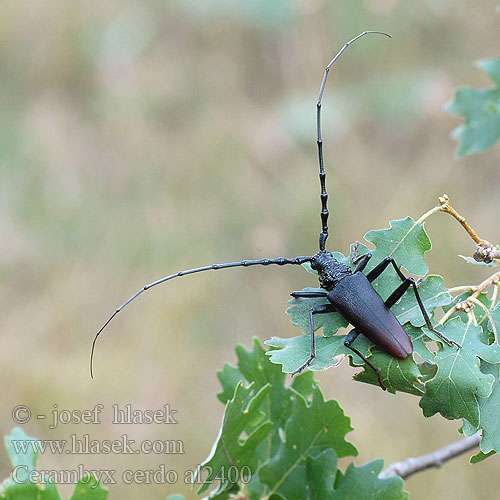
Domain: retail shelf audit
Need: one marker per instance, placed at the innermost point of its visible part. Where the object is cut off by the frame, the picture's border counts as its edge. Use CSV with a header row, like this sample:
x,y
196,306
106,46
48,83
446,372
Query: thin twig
x,y
450,311
494,279
488,314
446,207
435,458
485,251
428,214
495,295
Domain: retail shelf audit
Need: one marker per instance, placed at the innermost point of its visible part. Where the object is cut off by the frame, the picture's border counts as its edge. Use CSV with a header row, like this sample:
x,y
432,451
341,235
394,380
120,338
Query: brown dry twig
x,y
485,251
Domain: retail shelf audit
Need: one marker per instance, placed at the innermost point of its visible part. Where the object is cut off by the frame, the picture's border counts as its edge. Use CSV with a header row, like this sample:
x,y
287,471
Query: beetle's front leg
x,y
323,309
349,339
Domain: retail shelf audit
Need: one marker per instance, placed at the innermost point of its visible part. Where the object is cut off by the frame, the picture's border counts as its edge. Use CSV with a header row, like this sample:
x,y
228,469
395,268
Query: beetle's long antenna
x,y
322,175
280,261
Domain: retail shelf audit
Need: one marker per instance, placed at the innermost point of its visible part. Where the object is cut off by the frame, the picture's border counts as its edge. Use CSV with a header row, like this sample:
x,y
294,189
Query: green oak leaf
x,y
403,376
397,374
489,417
480,456
405,241
294,352
419,339
471,260
492,68
299,315
495,316
489,420
231,448
304,383
363,482
23,452
89,488
427,371
320,472
254,366
311,429
229,377
481,111
479,313
459,383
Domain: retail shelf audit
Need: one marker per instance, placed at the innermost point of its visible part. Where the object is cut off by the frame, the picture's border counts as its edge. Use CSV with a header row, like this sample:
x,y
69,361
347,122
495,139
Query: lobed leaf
x,y
320,473
299,419
480,456
459,383
310,430
24,458
481,112
397,374
471,260
489,421
405,241
330,351
299,315
232,448
363,482
89,488
433,293
495,316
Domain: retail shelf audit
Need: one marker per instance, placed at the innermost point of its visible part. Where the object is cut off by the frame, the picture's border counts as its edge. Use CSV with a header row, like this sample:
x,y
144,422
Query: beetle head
x,y
329,269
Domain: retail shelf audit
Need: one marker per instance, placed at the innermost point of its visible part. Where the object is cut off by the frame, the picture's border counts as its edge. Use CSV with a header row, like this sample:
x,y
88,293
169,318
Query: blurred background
x,y
138,139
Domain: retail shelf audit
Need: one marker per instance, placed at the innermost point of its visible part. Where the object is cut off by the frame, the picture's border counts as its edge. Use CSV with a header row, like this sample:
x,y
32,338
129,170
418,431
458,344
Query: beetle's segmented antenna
x,y
280,261
322,175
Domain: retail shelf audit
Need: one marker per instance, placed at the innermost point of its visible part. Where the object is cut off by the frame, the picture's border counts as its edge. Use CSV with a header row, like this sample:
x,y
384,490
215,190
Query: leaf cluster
x,y
457,383
289,439
481,112
23,452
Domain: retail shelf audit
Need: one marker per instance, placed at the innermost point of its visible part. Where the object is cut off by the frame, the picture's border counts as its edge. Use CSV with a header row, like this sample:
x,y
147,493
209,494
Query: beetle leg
x,y
381,267
310,295
326,308
398,293
349,339
363,260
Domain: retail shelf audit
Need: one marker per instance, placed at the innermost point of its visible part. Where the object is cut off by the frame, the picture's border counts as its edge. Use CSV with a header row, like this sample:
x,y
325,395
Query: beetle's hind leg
x,y
323,309
349,339
401,289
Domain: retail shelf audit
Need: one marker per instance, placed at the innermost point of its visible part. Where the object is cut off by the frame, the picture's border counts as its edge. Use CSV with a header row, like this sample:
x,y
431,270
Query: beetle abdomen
x,y
359,303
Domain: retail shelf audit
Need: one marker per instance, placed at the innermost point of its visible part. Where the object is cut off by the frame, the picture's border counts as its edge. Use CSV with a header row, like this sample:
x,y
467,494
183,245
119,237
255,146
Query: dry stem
x,y
433,459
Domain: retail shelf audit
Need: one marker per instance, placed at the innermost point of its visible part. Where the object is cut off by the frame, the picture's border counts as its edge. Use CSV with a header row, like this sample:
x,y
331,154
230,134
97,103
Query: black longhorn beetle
x,y
349,292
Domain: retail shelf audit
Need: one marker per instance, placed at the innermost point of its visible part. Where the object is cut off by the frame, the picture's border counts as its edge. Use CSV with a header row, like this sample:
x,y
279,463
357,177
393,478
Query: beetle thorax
x,y
330,270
